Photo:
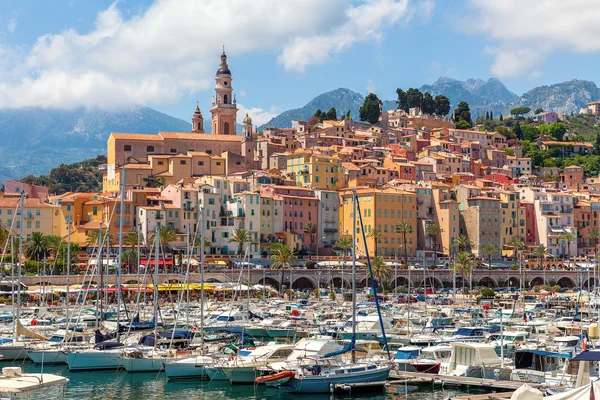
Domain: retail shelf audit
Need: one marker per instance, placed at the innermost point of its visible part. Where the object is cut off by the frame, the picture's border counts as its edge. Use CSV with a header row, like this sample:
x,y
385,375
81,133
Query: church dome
x,y
223,68
247,120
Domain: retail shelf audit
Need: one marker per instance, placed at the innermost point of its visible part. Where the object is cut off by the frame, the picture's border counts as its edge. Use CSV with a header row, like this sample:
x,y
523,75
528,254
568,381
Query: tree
x,y
131,239
462,113
414,98
541,253
517,131
597,143
442,105
371,109
463,266
516,242
401,102
92,239
404,228
332,114
377,235
462,125
382,272
152,182
491,115
311,228
282,258
501,117
241,237
53,243
538,110
168,235
488,251
594,235
433,231
518,112
463,242
428,104
556,129
344,244
36,246
568,237
198,243
487,115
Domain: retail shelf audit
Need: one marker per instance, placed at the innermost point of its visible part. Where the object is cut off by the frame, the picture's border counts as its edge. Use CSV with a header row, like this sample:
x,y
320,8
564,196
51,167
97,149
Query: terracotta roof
x,y
136,136
197,136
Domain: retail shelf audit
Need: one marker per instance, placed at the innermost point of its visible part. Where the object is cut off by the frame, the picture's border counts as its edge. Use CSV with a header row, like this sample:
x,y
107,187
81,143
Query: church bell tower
x,y
224,107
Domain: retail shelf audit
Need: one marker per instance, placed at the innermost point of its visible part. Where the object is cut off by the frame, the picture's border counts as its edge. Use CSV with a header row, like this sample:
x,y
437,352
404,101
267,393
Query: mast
x,y
101,272
68,264
187,278
120,258
12,294
156,254
353,273
202,280
22,211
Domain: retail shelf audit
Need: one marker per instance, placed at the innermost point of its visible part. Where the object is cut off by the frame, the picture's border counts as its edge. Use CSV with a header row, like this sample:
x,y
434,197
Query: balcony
x,y
28,215
330,230
158,215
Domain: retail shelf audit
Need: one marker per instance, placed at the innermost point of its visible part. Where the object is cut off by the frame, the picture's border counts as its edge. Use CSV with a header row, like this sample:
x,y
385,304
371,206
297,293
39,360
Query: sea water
x,y
108,385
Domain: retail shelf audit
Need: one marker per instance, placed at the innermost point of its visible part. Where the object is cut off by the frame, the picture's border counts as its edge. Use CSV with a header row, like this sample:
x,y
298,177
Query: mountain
x,y
562,98
342,99
482,96
35,140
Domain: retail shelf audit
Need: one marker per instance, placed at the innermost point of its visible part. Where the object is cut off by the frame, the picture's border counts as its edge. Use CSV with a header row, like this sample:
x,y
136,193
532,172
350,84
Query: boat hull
x,y
53,357
322,384
143,364
184,370
241,375
13,353
92,361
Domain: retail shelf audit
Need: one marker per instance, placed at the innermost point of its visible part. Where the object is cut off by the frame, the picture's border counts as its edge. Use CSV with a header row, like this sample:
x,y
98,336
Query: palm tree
x,y
568,237
93,236
593,235
168,235
131,239
377,235
433,231
463,242
282,258
37,246
489,250
517,243
198,243
403,228
53,242
541,253
311,229
463,265
382,272
241,237
344,244
153,182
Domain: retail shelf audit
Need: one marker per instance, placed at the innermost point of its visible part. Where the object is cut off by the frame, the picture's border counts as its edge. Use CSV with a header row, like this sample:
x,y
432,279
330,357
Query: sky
x,y
282,53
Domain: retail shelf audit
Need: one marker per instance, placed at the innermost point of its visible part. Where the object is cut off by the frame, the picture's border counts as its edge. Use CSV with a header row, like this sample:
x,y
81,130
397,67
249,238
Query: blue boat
x,y
319,375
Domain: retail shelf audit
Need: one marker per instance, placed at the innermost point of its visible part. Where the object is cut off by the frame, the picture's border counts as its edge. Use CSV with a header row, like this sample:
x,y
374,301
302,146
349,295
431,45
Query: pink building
x,y
31,191
547,117
300,206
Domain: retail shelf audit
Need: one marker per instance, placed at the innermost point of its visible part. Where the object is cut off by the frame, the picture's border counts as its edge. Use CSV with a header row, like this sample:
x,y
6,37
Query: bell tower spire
x,y
197,120
224,109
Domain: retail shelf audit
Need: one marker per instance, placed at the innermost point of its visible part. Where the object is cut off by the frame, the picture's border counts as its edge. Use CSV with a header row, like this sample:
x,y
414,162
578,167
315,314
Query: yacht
x,y
470,359
244,369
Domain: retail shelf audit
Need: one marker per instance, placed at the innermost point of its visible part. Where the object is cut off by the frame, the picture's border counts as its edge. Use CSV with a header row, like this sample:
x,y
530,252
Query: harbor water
x,y
109,385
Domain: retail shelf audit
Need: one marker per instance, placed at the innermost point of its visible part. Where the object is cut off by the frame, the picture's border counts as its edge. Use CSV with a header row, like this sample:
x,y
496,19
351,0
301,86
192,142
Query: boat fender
x,y
34,322
230,358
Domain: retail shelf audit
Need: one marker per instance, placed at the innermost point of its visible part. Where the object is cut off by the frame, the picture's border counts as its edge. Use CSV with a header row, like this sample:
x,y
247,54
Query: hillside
x,y
84,176
562,98
482,96
34,140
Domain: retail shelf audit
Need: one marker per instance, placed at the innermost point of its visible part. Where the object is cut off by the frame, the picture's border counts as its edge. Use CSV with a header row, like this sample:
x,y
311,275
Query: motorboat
x,y
470,359
244,370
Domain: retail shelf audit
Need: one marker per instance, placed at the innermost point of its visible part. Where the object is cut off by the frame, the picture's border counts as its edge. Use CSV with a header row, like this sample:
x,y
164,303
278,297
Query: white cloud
x,y
361,23
258,115
12,25
371,88
528,32
172,48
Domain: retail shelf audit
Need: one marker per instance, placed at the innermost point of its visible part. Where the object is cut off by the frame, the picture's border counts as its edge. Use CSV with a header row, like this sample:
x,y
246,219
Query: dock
x,y
489,396
405,377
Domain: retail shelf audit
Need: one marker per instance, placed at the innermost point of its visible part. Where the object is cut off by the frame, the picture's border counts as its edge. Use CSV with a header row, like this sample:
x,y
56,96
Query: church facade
x,y
135,151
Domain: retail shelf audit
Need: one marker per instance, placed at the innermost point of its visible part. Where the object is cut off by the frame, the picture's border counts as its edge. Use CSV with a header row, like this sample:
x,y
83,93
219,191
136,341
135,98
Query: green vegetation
x,y
413,98
371,109
84,176
462,115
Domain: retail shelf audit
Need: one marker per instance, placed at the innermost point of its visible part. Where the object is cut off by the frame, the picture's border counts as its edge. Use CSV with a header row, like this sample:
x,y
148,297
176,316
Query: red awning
x,y
161,262
280,235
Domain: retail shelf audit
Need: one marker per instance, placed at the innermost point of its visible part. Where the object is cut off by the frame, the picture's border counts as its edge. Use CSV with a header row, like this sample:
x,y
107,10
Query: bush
x,y
513,267
332,295
487,293
310,264
537,288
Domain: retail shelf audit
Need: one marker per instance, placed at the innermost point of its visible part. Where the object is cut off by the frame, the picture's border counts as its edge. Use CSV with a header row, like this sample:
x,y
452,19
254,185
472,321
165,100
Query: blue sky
x,y
282,53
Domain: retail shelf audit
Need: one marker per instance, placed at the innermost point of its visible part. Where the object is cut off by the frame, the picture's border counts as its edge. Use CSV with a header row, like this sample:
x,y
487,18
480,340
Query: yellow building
x,y
38,216
315,170
382,210
512,217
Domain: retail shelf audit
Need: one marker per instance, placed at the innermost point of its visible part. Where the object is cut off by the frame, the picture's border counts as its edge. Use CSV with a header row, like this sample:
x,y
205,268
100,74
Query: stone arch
x,y
589,283
268,281
212,280
513,281
304,283
400,282
488,282
566,282
337,282
431,281
364,282
131,282
537,281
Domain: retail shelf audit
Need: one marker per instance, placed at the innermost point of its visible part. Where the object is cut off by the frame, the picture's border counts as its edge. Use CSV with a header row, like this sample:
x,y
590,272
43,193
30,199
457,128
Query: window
x,y
182,162
37,212
95,210
208,151
161,163
225,234
173,150
150,149
68,207
211,201
127,147
200,163
9,212
218,163
37,224
127,208
28,224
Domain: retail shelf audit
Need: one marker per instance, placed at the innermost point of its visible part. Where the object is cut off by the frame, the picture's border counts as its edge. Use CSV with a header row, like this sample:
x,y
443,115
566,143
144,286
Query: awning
x,y
545,353
153,262
590,355
281,235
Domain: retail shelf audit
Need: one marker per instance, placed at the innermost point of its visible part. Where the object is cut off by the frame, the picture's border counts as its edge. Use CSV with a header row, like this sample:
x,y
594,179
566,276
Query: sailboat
x,y
320,375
